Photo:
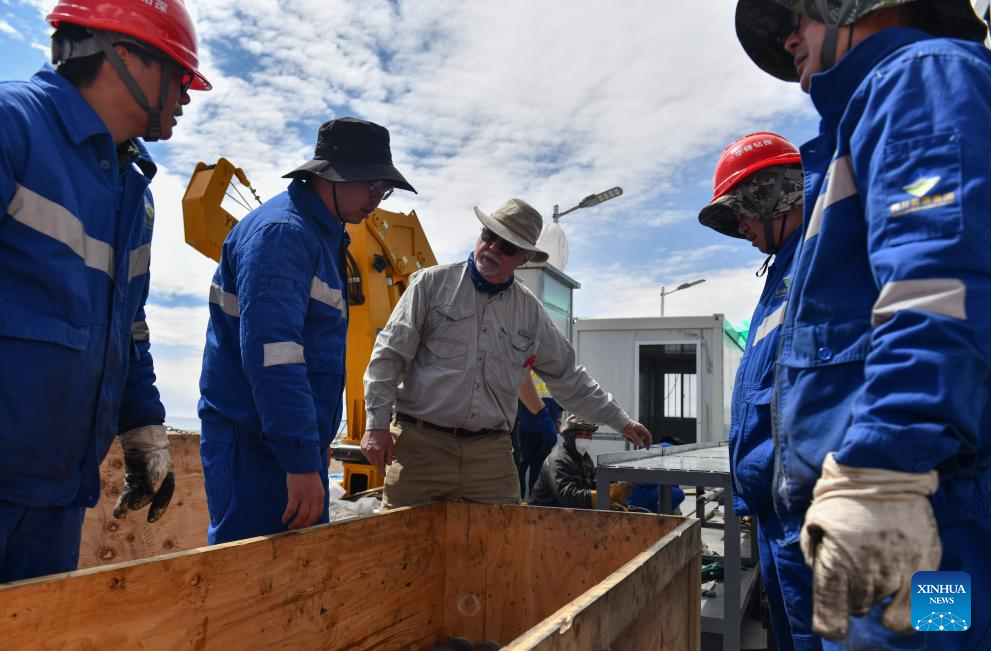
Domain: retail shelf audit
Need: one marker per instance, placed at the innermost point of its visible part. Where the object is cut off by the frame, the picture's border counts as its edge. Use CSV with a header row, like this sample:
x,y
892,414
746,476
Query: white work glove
x,y
867,532
148,475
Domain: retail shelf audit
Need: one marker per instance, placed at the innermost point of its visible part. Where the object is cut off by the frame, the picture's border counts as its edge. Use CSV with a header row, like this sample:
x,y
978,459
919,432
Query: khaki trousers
x,y
430,466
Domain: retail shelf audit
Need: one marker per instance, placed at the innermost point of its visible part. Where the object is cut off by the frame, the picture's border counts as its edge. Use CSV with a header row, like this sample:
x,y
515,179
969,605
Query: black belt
x,y
453,431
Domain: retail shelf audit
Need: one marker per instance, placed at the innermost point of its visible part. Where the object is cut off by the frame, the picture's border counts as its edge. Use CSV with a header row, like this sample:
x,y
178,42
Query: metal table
x,y
701,465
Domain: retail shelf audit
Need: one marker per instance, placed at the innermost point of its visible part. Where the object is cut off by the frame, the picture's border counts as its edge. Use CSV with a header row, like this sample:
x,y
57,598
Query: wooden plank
x,y
663,622
109,540
371,583
601,615
547,557
464,586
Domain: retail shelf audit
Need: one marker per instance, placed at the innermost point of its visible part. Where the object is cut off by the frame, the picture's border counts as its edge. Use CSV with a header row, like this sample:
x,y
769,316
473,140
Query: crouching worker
x,y
567,477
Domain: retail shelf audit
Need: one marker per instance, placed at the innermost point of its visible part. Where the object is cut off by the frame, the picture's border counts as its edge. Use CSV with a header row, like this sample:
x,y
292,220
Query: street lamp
x,y
681,286
552,239
589,201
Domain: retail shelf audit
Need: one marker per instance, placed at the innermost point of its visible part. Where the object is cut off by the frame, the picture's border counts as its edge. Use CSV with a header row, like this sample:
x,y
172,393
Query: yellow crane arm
x,y
206,221
385,250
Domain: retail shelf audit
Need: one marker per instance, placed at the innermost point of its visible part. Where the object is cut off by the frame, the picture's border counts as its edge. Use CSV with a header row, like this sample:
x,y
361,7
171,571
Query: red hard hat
x,y
162,24
750,154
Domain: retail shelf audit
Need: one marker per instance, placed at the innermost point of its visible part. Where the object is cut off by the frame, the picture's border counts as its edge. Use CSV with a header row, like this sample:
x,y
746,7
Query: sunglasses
x,y
796,27
185,81
380,190
170,66
507,248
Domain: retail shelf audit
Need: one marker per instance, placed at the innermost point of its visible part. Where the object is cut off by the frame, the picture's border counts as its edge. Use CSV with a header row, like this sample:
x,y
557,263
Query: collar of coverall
x,y
831,90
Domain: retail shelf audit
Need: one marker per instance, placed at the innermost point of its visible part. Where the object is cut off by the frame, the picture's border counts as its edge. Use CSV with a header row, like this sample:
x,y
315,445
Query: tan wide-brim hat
x,y
518,223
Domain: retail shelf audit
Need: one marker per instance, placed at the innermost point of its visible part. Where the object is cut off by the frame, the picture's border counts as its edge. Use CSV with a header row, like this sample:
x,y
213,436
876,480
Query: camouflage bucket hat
x,y
576,423
721,214
763,25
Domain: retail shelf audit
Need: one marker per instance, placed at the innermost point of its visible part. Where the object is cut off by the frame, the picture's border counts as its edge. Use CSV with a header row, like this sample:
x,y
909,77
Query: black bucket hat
x,y
349,149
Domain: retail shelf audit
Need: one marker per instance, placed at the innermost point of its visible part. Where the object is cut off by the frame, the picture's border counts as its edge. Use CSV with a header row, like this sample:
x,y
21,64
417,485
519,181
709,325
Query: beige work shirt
x,y
455,356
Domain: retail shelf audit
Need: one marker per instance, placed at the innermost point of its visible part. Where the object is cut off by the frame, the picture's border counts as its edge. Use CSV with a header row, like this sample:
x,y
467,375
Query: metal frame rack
x,y
702,465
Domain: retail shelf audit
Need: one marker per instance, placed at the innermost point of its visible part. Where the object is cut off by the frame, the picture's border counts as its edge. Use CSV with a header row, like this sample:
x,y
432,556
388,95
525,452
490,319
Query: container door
x,y
668,395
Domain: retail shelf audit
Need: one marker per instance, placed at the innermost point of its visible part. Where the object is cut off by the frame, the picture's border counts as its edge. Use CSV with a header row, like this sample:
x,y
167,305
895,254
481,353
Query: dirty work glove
x,y
867,532
548,428
619,492
148,475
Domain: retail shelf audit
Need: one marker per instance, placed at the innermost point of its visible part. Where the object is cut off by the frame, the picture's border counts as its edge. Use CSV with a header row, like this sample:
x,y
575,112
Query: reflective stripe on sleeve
x,y
140,331
283,352
770,322
321,291
944,296
840,184
226,301
55,221
138,261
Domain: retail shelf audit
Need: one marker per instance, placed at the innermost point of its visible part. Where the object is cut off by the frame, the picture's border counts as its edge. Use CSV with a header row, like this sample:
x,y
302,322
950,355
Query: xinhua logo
x,y
941,601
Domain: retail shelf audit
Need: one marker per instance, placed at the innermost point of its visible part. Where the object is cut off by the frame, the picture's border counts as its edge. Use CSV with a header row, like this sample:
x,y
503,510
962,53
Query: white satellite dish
x,y
555,243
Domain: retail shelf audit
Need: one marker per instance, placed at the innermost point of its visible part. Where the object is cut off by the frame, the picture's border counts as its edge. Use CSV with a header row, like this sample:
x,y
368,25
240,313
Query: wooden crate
x,y
109,540
526,577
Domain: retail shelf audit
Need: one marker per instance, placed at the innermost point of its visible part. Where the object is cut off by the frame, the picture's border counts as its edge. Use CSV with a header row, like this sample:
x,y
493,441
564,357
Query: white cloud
x,y
178,377
620,293
484,100
9,29
548,101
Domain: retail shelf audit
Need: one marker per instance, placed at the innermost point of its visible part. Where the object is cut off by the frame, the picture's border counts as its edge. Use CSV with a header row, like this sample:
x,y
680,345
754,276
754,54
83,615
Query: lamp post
x,y
589,201
553,240
681,286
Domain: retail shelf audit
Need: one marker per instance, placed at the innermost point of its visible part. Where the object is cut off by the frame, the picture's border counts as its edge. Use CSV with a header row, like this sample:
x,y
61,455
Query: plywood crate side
x,y
547,556
107,540
405,579
368,583
623,604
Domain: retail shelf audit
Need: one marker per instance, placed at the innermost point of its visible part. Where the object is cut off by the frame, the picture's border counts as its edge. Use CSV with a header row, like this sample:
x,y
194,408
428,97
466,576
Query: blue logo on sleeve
x,y
941,601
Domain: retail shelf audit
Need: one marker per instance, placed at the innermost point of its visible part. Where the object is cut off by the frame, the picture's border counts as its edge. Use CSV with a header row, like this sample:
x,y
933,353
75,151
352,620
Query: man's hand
x,y
637,434
867,532
307,500
148,475
377,447
619,492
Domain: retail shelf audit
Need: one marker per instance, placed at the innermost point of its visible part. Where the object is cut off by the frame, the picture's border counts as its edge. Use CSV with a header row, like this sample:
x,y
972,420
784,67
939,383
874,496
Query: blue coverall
x,y
273,367
787,581
885,351
75,239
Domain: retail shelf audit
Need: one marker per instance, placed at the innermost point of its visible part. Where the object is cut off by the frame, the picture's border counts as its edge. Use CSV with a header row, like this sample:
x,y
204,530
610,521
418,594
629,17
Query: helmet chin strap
x,y
337,208
830,42
767,218
154,130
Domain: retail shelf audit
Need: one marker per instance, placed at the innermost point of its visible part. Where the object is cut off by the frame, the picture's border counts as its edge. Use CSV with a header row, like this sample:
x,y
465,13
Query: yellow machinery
x,y
385,249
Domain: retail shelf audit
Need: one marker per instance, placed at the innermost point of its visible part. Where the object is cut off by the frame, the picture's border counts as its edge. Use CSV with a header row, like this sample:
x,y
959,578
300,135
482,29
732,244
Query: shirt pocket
x,y
508,363
21,322
447,353
515,348
828,344
451,322
921,191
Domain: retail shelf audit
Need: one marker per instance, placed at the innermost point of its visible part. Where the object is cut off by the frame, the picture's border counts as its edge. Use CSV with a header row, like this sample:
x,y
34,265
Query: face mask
x,y
583,445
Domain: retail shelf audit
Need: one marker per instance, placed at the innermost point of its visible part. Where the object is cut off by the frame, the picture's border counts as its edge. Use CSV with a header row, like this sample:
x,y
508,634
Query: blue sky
x,y
548,101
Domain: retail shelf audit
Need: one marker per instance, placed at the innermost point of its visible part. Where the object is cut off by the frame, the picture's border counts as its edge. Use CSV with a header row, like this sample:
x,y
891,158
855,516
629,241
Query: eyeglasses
x,y
380,190
507,248
796,26
185,81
